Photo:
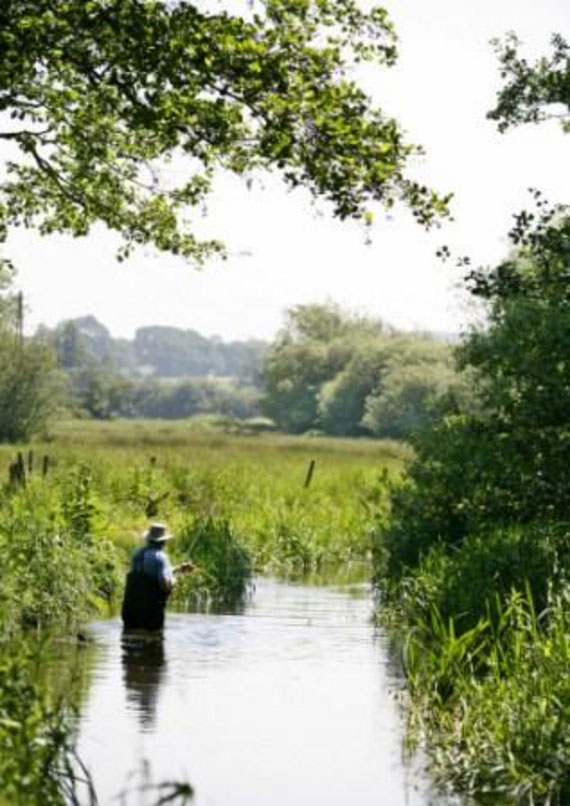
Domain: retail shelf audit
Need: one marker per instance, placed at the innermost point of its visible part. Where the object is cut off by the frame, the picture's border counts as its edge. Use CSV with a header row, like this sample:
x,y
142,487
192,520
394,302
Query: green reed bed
x,y
487,660
494,702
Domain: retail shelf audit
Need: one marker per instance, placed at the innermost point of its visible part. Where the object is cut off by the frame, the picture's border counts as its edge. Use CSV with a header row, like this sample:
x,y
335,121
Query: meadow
x,y
218,493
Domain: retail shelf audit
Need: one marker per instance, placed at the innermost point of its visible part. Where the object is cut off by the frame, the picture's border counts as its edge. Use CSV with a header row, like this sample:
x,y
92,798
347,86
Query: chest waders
x,y
144,601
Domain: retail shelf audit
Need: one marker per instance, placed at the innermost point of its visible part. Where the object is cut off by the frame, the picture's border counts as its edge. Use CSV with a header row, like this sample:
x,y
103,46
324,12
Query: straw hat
x,y
157,533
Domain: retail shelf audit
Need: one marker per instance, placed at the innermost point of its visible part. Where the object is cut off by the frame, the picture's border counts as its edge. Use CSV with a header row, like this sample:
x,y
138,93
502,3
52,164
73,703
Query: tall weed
x,y
494,701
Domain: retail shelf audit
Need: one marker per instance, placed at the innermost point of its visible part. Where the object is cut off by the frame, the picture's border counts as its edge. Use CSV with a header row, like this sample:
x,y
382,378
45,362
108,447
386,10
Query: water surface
x,y
289,703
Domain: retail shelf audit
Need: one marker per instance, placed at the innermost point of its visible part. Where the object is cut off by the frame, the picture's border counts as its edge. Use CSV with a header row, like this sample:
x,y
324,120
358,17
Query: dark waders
x,y
144,601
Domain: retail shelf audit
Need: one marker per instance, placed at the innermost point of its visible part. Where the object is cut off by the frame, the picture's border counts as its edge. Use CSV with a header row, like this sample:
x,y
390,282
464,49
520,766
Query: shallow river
x,y
289,703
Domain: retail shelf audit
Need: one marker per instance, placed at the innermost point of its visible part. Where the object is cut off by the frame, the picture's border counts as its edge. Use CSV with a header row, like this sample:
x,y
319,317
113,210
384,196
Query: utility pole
x,y
20,317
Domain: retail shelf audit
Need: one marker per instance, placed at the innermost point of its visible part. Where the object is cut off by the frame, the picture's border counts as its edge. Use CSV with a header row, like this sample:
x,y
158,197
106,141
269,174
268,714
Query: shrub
x,y
60,569
474,580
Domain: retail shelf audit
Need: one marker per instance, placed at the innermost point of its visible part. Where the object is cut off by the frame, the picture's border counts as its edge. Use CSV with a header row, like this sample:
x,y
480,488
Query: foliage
x,y
171,352
473,582
99,392
37,763
99,98
502,734
313,347
474,555
60,567
533,92
159,352
342,400
163,372
413,396
182,399
328,370
8,300
67,536
30,389
505,463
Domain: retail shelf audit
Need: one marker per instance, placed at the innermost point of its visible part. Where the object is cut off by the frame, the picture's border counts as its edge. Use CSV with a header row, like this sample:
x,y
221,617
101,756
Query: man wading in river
x,y
150,581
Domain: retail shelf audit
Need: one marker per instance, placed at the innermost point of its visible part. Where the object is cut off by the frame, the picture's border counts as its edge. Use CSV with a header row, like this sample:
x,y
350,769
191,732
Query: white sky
x,y
284,253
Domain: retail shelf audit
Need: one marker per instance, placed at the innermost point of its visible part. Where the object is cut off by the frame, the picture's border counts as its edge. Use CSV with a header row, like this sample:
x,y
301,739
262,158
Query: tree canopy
x,y
29,385
533,91
97,98
344,374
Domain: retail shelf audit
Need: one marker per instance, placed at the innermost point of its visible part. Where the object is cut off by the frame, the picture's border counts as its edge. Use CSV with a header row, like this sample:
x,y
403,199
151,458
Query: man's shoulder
x,y
158,556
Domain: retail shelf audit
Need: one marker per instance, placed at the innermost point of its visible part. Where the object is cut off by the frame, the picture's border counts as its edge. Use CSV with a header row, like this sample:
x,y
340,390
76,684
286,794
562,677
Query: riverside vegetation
x,y
473,559
237,505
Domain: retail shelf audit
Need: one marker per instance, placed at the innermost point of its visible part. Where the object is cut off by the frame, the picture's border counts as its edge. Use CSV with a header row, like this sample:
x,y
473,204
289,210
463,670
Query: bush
x,y
60,569
475,580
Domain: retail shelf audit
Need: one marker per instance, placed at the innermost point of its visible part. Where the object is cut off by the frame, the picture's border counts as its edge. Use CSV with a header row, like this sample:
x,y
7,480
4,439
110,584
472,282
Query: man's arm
x,y
167,576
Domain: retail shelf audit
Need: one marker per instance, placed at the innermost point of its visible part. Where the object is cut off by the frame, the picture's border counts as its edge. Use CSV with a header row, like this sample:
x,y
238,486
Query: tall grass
x,y
70,533
494,701
487,659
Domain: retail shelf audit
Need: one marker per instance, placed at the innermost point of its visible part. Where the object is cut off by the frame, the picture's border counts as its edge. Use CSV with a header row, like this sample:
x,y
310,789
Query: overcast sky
x,y
284,252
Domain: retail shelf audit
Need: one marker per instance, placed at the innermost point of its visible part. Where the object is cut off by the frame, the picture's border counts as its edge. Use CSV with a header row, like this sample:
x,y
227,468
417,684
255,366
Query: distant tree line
x,y
163,372
327,371
99,393
155,351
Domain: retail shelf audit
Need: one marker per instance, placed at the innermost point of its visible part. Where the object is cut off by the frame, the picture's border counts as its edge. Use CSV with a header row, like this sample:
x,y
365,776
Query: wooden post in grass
x,y
30,461
18,472
153,502
45,465
21,470
310,472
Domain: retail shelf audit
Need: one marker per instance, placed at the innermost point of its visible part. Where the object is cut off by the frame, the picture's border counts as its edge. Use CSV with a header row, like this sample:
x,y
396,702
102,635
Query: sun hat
x,y
157,533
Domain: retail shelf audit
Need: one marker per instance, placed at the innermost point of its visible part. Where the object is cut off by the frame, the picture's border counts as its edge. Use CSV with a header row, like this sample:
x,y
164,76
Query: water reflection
x,y
144,671
291,701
